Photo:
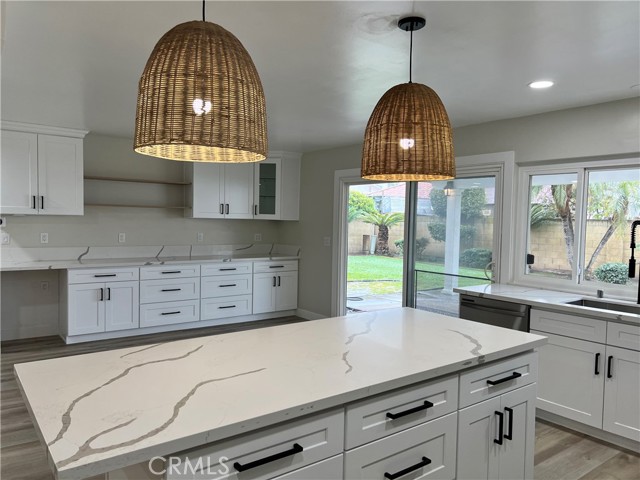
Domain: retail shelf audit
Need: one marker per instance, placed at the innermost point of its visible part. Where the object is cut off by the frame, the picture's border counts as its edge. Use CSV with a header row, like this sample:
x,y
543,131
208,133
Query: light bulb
x,y
541,84
407,143
201,106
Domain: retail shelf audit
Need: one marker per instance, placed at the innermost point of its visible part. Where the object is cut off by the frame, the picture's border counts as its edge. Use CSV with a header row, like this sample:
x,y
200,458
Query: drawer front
x,y
574,326
623,335
272,267
329,469
226,286
169,313
498,378
209,269
100,275
320,436
158,272
429,448
152,291
368,420
212,308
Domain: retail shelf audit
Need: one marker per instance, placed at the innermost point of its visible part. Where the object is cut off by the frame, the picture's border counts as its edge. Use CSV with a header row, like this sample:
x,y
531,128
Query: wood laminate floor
x,y
561,454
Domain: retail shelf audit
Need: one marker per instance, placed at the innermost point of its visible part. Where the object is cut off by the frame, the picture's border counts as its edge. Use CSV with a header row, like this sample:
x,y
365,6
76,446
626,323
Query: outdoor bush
x,y
475,257
472,202
399,246
467,232
438,202
421,244
438,232
613,272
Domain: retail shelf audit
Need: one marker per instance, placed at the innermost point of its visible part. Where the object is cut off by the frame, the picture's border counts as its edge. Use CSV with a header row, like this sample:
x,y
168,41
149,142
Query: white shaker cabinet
x,y
277,187
221,191
41,174
275,286
622,393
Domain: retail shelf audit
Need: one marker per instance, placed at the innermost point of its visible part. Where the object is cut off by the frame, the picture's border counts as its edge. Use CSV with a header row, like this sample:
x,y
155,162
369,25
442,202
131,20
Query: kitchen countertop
x,y
549,300
103,411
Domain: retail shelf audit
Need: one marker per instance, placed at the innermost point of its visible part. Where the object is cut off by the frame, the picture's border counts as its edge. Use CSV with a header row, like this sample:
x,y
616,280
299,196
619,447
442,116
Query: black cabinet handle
x,y
423,463
171,313
424,406
509,436
171,271
228,285
228,306
227,269
276,266
255,209
102,294
105,275
41,202
108,293
170,289
500,427
609,365
278,280
513,376
274,280
33,197
597,367
297,448
226,211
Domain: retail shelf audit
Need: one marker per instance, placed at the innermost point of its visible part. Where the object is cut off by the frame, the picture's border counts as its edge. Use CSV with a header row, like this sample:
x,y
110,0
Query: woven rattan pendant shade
x,y
200,98
408,137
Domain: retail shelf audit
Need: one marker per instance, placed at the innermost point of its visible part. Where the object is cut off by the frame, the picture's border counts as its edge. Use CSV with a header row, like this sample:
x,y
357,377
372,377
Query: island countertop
x,y
103,411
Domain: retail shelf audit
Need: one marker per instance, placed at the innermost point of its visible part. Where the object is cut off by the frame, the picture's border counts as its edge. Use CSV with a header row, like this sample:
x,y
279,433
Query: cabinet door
x,y
122,308
264,287
516,452
207,190
622,393
477,430
86,308
19,173
287,291
267,189
238,191
60,175
567,369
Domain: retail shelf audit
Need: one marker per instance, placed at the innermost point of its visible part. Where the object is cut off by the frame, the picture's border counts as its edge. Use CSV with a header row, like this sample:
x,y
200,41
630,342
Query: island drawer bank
x,y
98,303
296,398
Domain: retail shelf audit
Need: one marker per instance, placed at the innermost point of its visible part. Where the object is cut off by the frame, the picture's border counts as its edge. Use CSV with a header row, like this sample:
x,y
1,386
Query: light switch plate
x,y
5,238
257,237
44,237
200,237
122,238
326,241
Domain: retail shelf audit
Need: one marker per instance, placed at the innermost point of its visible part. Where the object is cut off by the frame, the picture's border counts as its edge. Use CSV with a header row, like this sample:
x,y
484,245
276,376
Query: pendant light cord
x,y
411,53
203,1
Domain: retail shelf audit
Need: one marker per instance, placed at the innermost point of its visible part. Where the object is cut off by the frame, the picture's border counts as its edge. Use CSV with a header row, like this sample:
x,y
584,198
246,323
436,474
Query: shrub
x,y
475,257
399,246
614,272
438,232
467,232
421,244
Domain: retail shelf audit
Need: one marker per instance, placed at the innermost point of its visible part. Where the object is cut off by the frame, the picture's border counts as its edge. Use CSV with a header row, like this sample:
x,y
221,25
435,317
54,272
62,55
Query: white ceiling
x,y
324,65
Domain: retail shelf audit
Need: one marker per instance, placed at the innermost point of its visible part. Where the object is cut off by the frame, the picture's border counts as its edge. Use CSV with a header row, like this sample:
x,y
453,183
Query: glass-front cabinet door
x,y
266,175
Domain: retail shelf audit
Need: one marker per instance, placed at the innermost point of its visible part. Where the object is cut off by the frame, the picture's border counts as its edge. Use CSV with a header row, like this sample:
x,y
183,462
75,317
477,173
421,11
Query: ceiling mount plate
x,y
411,24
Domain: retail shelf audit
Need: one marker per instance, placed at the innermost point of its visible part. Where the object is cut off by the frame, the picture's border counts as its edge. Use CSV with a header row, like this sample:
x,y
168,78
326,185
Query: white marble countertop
x,y
549,300
103,411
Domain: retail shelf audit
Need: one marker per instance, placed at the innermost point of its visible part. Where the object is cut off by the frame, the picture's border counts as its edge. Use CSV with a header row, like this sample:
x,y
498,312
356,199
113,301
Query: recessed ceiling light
x,y
541,84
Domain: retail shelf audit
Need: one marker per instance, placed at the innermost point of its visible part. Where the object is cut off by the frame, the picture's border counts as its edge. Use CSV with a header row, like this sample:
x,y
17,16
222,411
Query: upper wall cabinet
x,y
277,187
221,191
41,171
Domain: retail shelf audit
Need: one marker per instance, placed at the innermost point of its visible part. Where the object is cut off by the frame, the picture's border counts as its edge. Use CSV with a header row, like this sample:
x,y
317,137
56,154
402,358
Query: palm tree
x,y
383,221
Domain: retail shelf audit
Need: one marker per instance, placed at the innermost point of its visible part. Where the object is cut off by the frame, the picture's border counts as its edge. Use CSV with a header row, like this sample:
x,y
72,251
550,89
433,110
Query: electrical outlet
x,y
200,237
44,286
44,237
3,222
6,238
326,241
257,237
122,238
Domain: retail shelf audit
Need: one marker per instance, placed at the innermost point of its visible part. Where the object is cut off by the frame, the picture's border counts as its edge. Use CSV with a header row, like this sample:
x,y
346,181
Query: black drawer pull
x,y
102,294
609,365
271,458
105,275
392,476
171,271
509,436
276,266
170,289
500,427
34,202
278,280
41,202
228,306
419,408
108,293
227,269
513,376
171,313
229,285
274,281
597,367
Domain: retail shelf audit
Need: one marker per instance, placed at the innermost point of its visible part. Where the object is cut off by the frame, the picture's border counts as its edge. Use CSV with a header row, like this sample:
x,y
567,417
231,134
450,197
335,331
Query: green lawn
x,y
374,274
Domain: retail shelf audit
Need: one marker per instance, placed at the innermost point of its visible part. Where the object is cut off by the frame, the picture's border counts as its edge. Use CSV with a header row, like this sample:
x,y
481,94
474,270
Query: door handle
x,y
226,210
278,280
509,436
609,366
255,209
597,367
274,280
41,202
221,209
102,294
33,198
500,427
108,293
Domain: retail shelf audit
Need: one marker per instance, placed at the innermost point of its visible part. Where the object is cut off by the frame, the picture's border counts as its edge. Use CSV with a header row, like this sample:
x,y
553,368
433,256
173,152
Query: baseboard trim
x,y
309,315
617,440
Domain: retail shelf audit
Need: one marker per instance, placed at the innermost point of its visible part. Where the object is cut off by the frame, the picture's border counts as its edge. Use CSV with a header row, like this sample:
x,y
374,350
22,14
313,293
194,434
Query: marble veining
x,y
107,410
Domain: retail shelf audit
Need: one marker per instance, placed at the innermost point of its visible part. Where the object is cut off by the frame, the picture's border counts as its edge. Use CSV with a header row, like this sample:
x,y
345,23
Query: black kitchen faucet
x,y
632,260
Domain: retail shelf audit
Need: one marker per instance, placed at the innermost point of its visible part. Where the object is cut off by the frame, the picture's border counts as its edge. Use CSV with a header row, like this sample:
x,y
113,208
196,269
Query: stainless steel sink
x,y
604,305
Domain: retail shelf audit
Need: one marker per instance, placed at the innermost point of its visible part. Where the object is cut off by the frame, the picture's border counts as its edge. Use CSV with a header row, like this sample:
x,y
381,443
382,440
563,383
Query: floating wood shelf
x,y
134,180
134,206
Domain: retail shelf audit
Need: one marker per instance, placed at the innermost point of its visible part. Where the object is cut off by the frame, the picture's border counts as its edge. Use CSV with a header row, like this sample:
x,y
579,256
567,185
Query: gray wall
x,y
610,129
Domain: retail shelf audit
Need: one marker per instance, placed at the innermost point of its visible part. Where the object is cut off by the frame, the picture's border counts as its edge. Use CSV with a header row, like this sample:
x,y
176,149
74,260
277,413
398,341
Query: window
x,y
578,228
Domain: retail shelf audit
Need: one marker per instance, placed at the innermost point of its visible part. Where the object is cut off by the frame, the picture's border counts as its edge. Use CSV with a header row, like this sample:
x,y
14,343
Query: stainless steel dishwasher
x,y
495,312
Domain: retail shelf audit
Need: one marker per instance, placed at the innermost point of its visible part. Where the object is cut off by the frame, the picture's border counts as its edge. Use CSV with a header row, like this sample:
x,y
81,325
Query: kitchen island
x,y
316,398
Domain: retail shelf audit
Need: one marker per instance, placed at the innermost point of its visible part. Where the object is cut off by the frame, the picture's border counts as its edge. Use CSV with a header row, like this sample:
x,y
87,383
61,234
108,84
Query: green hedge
x,y
475,257
614,272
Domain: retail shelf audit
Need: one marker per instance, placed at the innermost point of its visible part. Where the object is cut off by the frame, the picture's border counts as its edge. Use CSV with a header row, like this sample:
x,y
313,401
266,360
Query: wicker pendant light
x,y
200,98
409,137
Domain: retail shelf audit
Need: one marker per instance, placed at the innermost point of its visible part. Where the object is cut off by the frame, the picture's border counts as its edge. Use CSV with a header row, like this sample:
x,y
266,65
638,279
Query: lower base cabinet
x,y
621,414
496,437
